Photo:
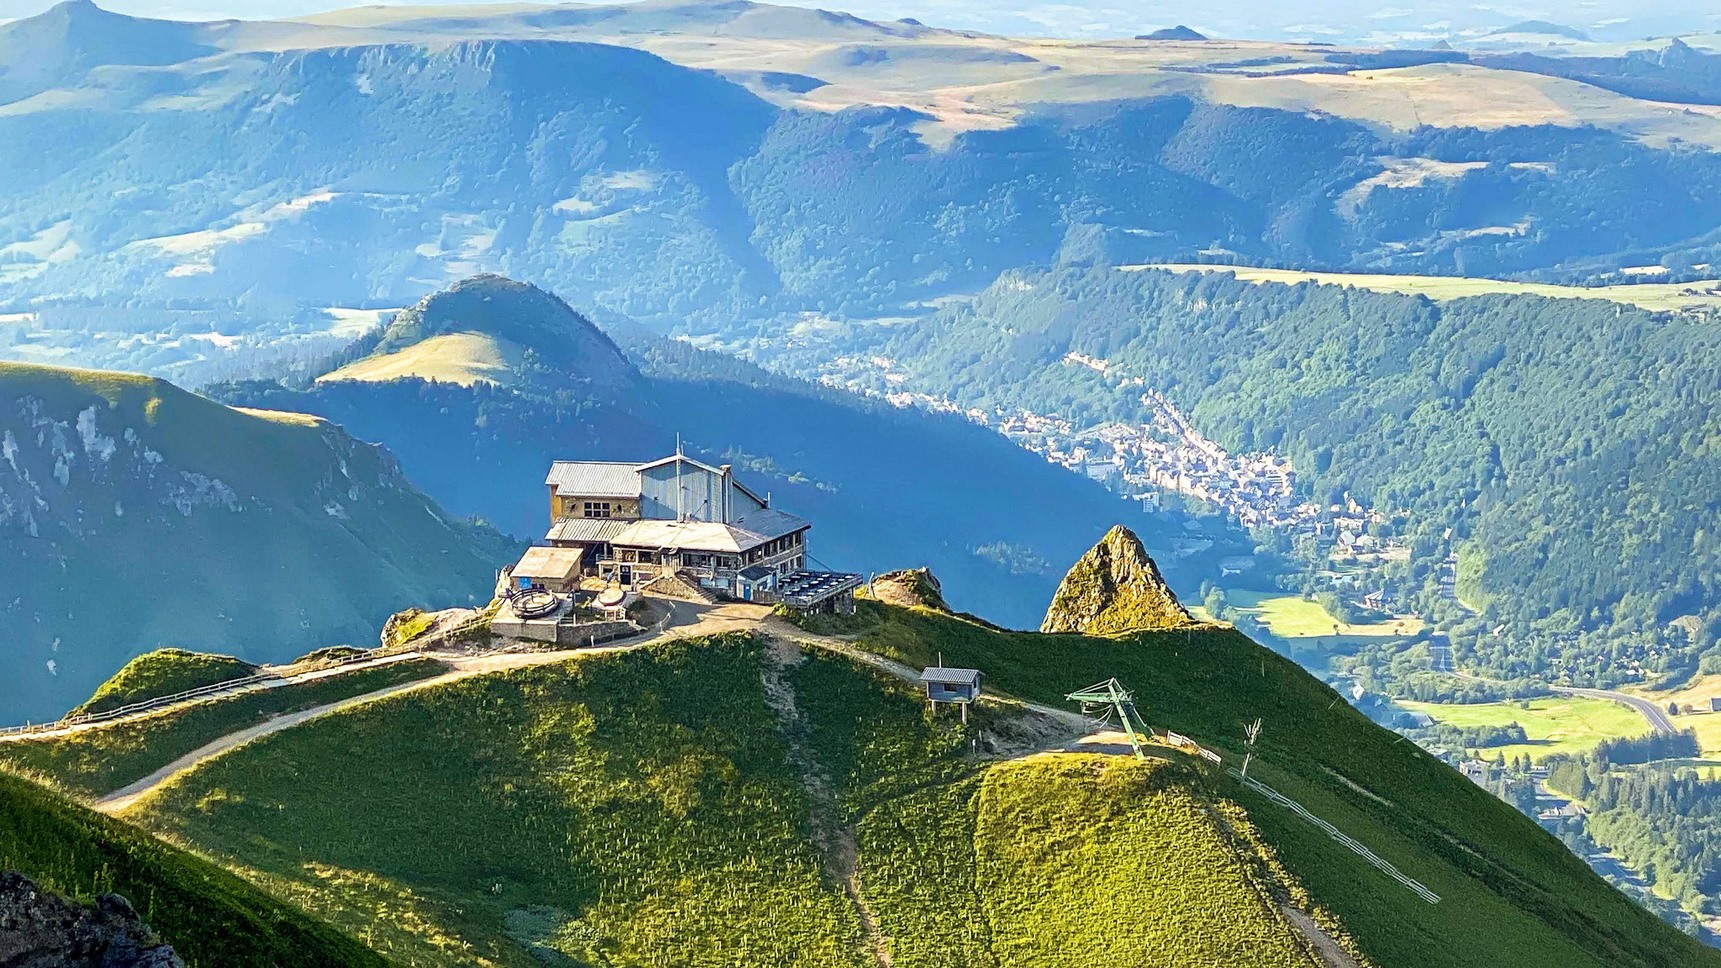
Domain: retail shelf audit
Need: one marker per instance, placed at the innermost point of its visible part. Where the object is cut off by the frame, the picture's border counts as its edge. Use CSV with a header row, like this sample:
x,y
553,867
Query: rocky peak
x,y
43,930
1114,588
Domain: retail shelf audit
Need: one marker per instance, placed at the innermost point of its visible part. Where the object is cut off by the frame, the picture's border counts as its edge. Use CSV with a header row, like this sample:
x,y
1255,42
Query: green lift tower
x,y
1111,697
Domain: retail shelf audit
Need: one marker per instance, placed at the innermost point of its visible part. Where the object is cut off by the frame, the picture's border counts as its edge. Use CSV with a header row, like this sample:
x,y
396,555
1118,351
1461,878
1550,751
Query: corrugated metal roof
x,y
557,563
587,530
594,478
805,589
958,677
771,523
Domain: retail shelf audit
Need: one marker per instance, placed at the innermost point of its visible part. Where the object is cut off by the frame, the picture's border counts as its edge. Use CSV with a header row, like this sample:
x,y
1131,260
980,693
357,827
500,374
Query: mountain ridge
x,y
135,514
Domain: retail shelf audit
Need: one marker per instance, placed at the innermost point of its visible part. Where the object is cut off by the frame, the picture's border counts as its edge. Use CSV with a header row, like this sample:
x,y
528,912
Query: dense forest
x,y
1569,445
1662,820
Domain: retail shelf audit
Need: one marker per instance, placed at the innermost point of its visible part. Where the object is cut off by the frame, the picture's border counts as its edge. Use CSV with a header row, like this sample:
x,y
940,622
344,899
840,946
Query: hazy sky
x,y
1308,19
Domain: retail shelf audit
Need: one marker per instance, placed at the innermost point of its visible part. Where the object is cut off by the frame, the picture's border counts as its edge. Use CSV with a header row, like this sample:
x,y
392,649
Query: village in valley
x,y
1167,455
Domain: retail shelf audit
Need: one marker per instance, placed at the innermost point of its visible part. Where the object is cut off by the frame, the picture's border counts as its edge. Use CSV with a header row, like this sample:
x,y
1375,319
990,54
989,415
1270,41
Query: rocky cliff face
x,y
1114,588
42,930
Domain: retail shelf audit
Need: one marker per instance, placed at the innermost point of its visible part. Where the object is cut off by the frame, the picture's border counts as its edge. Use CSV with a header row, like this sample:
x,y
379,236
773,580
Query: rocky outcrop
x,y
43,930
910,588
1114,588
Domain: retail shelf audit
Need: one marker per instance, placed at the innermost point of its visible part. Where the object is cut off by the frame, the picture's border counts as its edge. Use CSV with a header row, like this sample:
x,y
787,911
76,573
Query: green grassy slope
x,y
135,515
1042,861
163,672
1490,865
638,804
210,916
95,762
660,807
701,801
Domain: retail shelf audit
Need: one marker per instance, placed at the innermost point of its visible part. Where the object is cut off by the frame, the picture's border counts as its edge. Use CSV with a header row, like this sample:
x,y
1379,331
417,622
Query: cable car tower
x,y
1111,697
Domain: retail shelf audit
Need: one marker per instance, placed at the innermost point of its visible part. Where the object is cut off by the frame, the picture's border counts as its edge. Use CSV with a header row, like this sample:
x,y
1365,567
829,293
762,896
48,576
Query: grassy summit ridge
x,y
687,804
98,761
208,915
1488,863
163,672
707,800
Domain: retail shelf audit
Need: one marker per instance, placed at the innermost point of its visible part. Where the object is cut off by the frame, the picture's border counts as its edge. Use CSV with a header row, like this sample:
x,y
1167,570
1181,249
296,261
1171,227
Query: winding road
x,y
1657,716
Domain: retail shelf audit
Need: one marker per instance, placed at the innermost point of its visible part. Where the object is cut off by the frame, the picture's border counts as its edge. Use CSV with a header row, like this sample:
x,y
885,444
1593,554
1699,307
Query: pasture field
x,y
459,358
1296,617
1559,724
1655,296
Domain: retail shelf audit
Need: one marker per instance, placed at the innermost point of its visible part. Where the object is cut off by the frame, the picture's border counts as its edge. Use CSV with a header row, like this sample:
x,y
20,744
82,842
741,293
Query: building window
x,y
597,509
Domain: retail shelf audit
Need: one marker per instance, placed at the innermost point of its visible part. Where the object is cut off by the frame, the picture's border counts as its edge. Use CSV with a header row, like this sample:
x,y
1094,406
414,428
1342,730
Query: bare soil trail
x,y
460,668
1068,731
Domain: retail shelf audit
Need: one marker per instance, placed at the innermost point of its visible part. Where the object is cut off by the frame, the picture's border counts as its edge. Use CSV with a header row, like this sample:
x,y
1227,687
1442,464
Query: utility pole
x,y
1250,732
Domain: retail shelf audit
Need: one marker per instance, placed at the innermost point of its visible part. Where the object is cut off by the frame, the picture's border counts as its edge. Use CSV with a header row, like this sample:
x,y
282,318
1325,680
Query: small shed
x,y
944,684
557,569
1715,704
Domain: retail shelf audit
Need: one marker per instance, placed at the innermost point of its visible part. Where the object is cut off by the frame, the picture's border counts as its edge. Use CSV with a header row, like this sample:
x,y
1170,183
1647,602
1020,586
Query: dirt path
x,y
835,839
686,620
1329,950
778,628
461,668
288,680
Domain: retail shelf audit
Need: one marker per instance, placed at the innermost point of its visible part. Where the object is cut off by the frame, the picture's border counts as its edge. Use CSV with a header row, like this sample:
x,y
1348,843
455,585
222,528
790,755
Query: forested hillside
x,y
1569,445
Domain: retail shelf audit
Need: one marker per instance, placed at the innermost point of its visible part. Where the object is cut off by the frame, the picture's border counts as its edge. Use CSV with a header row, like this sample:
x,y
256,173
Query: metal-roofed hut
x,y
555,569
945,684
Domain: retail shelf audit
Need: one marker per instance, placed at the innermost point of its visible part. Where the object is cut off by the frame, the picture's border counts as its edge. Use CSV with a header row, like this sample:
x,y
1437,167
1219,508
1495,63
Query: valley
x,y
1394,357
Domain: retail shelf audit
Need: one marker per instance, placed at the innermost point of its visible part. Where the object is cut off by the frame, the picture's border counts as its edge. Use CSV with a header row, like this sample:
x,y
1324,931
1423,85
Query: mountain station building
x,y
633,523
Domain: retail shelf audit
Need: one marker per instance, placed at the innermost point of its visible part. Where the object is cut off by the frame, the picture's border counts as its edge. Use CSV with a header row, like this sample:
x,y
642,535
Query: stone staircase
x,y
678,585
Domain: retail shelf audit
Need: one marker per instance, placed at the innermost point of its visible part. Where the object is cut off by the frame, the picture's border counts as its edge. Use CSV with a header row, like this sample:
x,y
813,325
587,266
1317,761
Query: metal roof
x,y
750,532
687,536
594,478
804,589
587,530
608,478
954,677
771,523
558,563
757,572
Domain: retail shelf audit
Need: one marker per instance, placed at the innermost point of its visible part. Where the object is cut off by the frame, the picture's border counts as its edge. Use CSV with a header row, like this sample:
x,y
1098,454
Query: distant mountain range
x,y
700,167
